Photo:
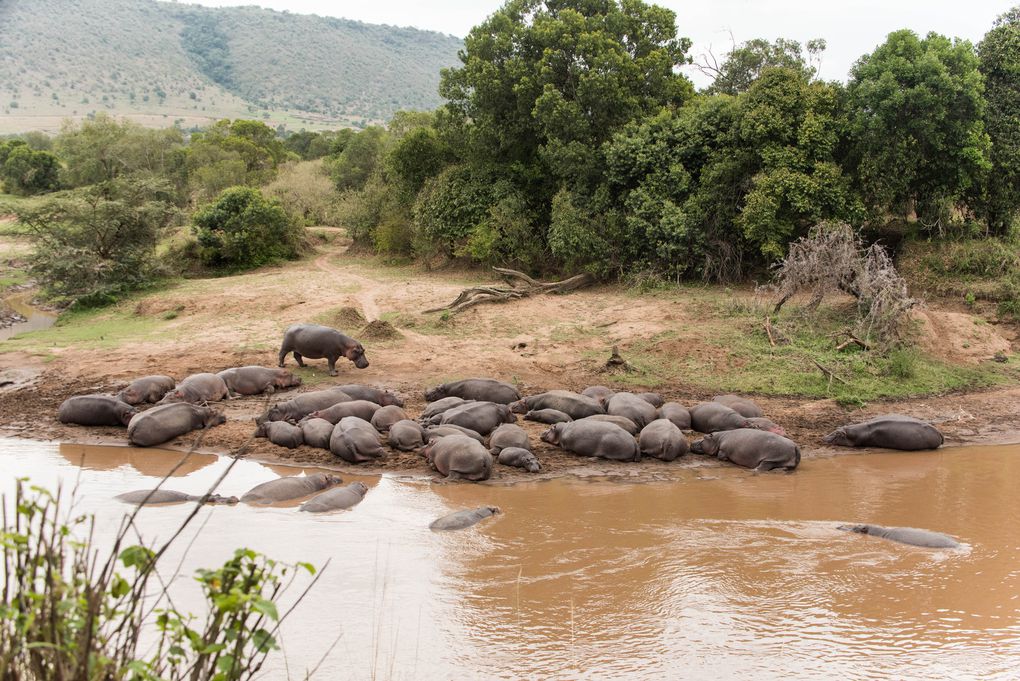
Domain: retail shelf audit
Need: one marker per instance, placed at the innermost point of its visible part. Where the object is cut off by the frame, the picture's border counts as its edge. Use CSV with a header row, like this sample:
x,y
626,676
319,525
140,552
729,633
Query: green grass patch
x,y
106,328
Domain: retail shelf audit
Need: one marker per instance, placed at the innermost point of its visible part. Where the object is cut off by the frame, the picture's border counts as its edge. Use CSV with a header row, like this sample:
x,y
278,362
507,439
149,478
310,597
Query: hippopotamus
x,y
481,417
508,435
677,413
741,405
406,435
763,423
594,438
363,409
289,488
654,399
632,407
893,431
572,404
385,417
479,389
168,496
711,417
459,457
349,422
439,406
167,421
451,429
336,498
384,398
198,388
304,404
663,440
316,342
463,519
281,433
95,410
147,389
750,448
315,432
620,421
906,535
599,393
256,380
549,416
519,457
356,444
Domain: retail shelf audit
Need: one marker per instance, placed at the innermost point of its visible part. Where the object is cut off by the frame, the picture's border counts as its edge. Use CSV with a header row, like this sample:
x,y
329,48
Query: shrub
x,y
26,171
242,229
305,191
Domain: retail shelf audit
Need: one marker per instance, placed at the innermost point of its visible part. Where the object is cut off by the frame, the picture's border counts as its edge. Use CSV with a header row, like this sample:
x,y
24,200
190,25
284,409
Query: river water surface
x,y
719,574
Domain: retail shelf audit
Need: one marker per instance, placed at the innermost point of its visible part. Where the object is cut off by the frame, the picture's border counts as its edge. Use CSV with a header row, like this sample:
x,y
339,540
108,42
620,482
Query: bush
x,y
305,191
242,229
26,171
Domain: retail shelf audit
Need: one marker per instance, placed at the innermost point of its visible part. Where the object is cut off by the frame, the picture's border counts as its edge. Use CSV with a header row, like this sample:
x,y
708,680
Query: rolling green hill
x,y
161,62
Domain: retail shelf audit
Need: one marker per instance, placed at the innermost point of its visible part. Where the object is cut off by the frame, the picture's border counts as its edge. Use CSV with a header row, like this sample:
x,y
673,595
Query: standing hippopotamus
x,y
315,342
481,417
289,488
663,440
439,406
198,388
632,407
462,519
168,496
572,404
893,431
480,389
906,535
281,433
620,421
304,404
167,421
508,435
459,457
315,432
549,416
451,429
406,435
147,389
336,499
741,405
594,438
677,413
95,410
599,393
763,423
363,409
384,398
255,380
711,417
385,417
520,458
356,444
750,448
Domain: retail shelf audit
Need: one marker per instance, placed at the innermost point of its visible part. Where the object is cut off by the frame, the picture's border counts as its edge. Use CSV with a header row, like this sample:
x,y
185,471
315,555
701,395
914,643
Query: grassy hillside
x,y
160,62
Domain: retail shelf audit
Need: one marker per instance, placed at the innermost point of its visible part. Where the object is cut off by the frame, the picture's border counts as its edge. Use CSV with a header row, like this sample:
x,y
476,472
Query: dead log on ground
x,y
521,286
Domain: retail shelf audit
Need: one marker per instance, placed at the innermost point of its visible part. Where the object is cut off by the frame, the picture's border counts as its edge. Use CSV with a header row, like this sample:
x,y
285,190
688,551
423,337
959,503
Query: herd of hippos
x,y
465,428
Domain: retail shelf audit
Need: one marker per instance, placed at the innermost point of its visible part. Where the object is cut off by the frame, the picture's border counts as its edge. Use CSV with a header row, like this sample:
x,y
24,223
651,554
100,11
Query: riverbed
x,y
717,573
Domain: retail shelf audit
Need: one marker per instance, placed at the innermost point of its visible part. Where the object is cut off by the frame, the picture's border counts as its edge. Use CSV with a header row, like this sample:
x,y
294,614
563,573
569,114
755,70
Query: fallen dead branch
x,y
852,339
830,374
521,286
773,334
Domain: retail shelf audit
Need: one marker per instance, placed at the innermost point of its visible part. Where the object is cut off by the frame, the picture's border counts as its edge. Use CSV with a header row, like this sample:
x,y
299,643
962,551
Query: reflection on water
x,y
739,577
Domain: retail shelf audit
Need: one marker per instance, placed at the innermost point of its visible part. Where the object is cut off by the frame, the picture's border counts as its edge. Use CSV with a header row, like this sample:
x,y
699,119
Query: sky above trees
x,y
851,28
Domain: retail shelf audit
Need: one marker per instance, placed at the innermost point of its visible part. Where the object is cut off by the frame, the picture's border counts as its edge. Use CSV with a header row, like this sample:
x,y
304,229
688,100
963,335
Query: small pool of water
x,y
36,319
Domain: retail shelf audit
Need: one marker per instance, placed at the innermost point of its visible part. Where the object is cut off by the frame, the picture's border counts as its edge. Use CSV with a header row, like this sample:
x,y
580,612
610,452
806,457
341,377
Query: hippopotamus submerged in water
x,y
165,422
893,431
906,535
289,488
750,448
462,519
479,389
197,388
336,499
167,496
95,410
458,457
256,380
594,438
147,389
317,342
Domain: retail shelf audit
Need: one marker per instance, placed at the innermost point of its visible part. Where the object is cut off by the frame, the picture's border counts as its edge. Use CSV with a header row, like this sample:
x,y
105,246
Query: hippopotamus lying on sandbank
x,y
406,435
385,417
256,380
336,498
198,388
147,389
95,410
289,488
316,432
281,433
677,414
317,342
384,398
462,519
304,404
363,409
508,435
663,440
594,438
481,417
458,457
750,448
711,417
906,535
741,405
167,496
355,441
519,457
165,422
480,389
893,431
452,429
574,405
547,416
630,406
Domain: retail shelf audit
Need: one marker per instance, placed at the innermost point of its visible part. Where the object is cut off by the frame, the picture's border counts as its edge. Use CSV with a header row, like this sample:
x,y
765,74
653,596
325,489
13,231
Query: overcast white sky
x,y
851,27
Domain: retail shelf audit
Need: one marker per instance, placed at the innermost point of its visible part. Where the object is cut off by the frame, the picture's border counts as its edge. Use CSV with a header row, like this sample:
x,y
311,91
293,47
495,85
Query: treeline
x,y
571,141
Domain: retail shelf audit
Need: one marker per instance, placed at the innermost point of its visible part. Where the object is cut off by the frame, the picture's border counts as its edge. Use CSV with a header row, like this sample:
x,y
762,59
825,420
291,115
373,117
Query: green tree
x,y
1000,65
360,158
746,62
242,229
917,136
30,172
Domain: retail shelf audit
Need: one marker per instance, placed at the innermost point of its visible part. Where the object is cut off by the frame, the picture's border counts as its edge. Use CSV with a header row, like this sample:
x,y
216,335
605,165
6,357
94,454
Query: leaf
x,y
136,556
267,608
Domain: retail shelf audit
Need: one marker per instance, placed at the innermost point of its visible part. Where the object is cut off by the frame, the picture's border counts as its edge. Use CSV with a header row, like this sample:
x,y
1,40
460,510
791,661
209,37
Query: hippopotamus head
x,y
707,445
838,437
261,428
762,423
359,487
129,395
219,499
506,414
433,394
391,400
493,509
172,396
552,436
285,379
519,407
356,353
531,464
211,417
426,451
859,529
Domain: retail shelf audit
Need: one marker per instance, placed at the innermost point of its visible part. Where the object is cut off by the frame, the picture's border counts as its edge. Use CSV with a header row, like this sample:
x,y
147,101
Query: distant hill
x,y
161,62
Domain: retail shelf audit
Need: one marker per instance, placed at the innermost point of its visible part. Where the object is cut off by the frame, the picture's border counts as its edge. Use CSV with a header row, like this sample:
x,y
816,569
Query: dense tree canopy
x,y
1000,65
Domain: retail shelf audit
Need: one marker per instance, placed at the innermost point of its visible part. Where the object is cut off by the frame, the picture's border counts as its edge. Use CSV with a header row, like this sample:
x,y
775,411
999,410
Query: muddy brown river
x,y
719,574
